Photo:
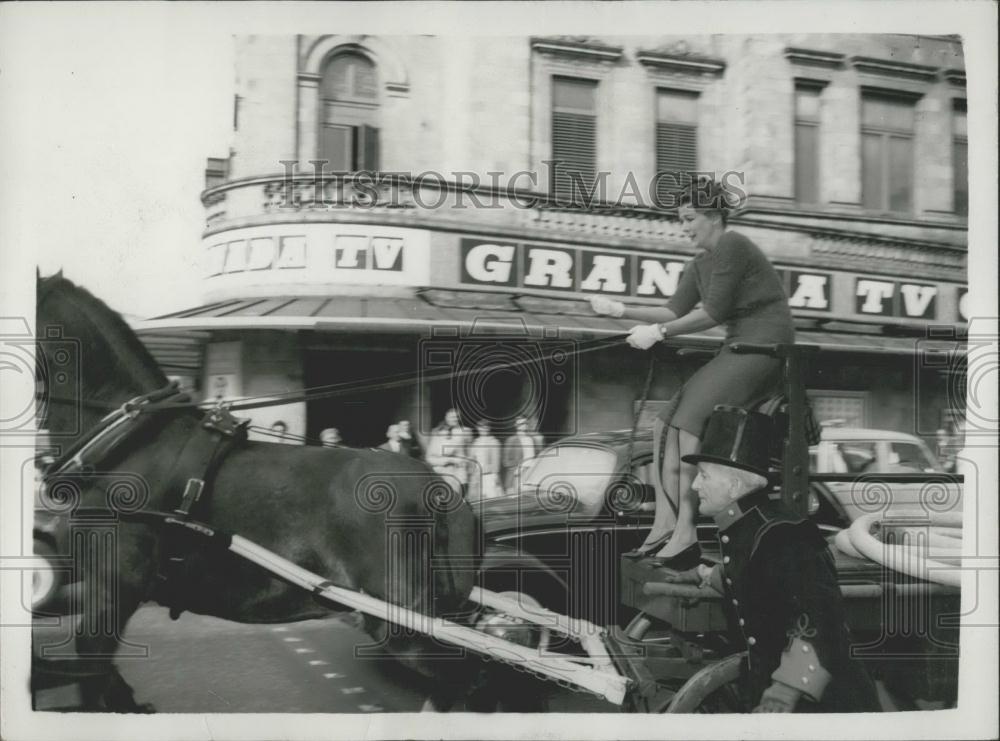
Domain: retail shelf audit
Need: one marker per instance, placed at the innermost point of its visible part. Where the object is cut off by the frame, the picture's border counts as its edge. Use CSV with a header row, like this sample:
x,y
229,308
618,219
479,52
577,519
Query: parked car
x,y
588,498
863,452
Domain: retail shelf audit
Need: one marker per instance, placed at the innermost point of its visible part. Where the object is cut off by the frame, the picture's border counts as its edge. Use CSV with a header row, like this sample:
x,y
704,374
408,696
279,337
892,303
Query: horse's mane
x,y
108,322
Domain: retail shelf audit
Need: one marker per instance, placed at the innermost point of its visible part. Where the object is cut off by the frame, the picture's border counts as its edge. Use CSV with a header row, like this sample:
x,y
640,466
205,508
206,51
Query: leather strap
x,y
195,470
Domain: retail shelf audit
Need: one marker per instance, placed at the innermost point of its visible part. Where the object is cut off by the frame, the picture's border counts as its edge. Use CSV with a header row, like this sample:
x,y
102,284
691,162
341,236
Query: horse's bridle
x,y
74,457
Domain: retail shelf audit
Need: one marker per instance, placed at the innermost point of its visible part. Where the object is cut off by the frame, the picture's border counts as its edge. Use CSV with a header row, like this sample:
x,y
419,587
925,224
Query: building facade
x,y
414,223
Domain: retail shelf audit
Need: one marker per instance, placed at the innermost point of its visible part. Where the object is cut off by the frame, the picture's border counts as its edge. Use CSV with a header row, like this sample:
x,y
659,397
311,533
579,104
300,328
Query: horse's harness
x,y
192,473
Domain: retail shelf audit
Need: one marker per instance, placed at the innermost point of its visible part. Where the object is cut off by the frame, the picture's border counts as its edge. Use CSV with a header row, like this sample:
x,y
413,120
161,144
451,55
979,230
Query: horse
x,y
311,505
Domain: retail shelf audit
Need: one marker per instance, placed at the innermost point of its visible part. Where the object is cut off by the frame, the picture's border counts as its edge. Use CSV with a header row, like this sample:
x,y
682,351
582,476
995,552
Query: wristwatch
x,y
661,327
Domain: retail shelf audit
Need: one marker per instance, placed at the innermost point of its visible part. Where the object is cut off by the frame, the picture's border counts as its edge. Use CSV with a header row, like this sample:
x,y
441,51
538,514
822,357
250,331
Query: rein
x,y
337,389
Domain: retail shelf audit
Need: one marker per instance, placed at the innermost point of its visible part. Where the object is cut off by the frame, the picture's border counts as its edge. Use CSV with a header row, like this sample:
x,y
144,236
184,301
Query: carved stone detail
x,y
689,64
892,68
583,47
814,57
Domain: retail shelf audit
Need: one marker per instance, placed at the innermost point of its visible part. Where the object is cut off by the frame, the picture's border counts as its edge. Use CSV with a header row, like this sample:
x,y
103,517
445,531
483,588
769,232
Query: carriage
x,y
672,657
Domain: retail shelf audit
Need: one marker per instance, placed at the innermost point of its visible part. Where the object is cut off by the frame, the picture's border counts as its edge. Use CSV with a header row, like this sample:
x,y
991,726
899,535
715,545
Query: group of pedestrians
x,y
479,465
399,438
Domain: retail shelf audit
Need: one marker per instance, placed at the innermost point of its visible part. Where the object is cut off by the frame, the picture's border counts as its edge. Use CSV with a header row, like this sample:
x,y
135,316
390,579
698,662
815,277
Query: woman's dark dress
x,y
739,288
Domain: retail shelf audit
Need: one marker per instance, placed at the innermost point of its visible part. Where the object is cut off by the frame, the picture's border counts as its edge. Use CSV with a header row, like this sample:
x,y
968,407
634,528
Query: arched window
x,y
348,125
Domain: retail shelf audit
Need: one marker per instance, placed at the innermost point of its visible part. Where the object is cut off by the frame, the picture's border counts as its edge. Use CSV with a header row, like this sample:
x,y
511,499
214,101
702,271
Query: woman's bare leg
x,y
664,518
680,475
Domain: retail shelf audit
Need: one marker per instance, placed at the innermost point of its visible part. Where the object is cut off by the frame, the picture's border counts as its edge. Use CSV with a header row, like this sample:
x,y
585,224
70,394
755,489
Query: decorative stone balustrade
x,y
433,203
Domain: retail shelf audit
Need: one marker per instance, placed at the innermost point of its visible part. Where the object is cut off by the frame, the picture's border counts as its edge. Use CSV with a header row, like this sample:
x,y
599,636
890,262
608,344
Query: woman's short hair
x,y
709,196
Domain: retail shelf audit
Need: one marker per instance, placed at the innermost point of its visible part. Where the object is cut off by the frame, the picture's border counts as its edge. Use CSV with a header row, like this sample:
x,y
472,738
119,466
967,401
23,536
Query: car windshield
x,y
575,470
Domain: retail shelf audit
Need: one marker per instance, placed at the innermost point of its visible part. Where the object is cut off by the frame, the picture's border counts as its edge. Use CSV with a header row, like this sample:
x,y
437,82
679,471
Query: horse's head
x,y
87,360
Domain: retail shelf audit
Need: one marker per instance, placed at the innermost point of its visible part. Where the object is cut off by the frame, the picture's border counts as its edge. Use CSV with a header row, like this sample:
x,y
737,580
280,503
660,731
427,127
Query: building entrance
x,y
366,407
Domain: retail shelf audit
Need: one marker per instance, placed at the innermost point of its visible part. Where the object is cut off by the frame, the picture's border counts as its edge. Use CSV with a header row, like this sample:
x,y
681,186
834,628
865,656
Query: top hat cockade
x,y
735,437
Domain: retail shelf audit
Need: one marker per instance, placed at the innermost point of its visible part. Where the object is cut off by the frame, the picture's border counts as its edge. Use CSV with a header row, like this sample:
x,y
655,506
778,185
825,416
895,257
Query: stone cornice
x,y
581,49
688,64
814,57
892,68
955,76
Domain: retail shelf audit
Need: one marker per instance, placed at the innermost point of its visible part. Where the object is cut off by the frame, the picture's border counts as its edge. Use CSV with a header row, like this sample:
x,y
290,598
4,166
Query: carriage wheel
x,y
711,690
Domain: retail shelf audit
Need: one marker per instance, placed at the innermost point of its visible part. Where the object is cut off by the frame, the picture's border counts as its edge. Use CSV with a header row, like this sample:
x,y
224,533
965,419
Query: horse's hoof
x,y
144,707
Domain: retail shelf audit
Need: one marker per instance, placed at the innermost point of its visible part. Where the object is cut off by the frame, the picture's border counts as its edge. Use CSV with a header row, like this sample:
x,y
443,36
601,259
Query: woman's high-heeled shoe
x,y
646,548
680,561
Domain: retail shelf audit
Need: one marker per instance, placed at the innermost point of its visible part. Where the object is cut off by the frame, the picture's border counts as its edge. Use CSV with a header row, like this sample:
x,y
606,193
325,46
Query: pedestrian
x,y
778,578
330,438
738,287
392,442
520,447
447,451
413,447
484,479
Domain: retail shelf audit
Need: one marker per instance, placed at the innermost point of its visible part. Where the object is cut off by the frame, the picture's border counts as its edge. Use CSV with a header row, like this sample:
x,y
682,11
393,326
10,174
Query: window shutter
x,y
369,148
574,149
335,144
806,163
676,153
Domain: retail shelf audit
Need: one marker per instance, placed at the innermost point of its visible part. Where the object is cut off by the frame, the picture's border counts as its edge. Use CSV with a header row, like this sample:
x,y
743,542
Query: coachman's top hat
x,y
735,437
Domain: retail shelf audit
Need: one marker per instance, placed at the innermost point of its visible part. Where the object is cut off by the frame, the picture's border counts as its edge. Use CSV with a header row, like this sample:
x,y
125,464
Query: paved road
x,y
205,665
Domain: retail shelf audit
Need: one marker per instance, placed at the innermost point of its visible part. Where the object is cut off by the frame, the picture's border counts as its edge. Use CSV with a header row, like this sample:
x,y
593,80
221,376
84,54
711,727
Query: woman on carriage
x,y
737,287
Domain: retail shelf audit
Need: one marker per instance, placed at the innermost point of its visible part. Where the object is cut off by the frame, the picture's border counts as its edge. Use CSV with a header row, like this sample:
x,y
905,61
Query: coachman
x,y
778,579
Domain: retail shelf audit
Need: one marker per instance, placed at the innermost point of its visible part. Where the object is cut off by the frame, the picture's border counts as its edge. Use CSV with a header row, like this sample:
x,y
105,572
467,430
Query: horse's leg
x,y
115,582
107,689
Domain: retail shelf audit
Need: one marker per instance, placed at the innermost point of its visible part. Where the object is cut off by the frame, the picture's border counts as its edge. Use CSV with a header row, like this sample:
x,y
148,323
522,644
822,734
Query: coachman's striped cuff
x,y
800,668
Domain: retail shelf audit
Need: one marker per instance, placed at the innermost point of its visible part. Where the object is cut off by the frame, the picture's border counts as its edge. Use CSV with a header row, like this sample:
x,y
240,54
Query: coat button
x,y
736,601
805,649
728,580
725,538
752,641
805,680
742,622
726,559
812,667
731,512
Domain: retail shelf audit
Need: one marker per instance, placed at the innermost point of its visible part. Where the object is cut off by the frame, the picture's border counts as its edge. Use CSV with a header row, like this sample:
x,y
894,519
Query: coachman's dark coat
x,y
785,608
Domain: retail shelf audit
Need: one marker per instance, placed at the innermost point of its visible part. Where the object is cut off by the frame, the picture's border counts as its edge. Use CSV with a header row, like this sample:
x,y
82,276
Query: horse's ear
x,y
58,275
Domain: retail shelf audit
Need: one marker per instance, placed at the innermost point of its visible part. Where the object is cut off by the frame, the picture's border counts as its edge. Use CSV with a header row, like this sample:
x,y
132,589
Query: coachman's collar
x,y
739,508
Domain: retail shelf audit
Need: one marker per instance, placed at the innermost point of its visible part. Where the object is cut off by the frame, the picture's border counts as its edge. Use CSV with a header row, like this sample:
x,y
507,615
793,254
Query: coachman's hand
x,y
607,306
778,698
644,336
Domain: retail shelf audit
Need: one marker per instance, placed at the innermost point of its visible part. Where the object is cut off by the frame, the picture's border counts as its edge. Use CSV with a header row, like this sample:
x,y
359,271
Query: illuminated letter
x,y
810,293
550,269
874,292
490,263
605,275
657,277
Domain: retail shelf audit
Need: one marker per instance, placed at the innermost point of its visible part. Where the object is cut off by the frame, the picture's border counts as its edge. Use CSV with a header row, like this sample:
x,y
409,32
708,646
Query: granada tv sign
x,y
583,270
